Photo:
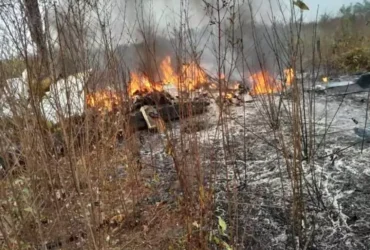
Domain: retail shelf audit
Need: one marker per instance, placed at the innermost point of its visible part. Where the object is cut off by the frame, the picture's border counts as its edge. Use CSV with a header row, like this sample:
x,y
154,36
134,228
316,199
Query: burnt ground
x,y
342,220
253,188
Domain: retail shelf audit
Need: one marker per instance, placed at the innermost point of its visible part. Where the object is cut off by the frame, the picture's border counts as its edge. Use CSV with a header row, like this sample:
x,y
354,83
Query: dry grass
x,y
156,193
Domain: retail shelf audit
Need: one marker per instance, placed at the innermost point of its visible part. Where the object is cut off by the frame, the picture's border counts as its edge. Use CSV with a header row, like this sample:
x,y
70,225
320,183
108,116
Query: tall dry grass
x,y
63,189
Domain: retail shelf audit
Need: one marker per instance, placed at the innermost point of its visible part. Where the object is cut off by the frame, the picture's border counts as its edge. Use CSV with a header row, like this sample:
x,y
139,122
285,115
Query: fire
x,y
289,75
191,77
325,79
264,83
228,95
103,100
168,73
141,83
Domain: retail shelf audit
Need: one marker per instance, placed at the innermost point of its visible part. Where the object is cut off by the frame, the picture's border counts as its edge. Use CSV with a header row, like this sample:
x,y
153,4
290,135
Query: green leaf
x,y
222,225
227,247
49,124
216,240
300,4
26,191
210,237
28,209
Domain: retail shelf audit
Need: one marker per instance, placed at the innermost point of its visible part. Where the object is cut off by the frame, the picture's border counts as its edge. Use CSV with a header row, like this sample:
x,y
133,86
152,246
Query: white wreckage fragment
x,y
15,92
152,118
66,98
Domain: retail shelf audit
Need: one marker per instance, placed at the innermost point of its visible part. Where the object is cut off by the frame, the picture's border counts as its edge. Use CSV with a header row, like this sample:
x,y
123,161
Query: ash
x,y
253,190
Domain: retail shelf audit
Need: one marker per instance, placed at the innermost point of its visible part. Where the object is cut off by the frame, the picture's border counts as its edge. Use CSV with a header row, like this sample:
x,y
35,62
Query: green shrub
x,y
354,60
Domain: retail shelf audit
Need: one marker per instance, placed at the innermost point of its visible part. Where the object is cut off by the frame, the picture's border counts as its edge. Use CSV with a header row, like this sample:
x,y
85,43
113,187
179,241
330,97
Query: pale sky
x,y
329,6
165,10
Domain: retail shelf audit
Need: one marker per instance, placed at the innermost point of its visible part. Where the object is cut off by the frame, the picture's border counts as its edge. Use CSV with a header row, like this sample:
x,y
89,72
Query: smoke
x,y
143,32
247,42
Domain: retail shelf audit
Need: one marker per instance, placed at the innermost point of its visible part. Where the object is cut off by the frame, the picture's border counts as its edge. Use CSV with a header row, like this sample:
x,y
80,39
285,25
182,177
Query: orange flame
x,y
325,79
169,76
228,95
289,75
264,83
192,77
140,83
103,100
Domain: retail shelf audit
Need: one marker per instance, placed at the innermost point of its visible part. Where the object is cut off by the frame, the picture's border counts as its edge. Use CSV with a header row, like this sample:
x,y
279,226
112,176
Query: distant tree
x,y
346,11
324,18
38,70
362,9
35,25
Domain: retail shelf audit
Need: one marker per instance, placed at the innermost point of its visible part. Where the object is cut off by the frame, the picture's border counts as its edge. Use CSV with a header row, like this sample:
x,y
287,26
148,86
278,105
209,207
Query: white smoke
x,y
123,20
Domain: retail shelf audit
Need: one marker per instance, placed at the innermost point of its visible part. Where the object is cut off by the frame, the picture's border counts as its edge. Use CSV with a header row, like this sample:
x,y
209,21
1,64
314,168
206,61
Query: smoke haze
x,y
143,33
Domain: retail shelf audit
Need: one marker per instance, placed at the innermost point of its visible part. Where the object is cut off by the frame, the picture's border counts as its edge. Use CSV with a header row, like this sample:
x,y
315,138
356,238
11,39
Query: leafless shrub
x,y
80,178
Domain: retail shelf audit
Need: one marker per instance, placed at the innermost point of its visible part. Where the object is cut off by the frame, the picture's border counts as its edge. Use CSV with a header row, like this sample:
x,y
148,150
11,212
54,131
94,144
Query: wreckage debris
x,y
234,94
234,99
363,133
150,110
152,118
169,112
363,81
154,98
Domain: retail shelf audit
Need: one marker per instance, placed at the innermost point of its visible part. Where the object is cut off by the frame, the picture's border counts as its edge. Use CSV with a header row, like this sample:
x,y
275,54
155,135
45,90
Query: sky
x,y
166,14
165,10
169,7
326,6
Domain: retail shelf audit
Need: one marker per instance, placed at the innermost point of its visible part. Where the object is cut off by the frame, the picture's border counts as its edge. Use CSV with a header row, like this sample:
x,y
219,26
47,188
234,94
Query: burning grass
x,y
191,77
103,100
264,83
